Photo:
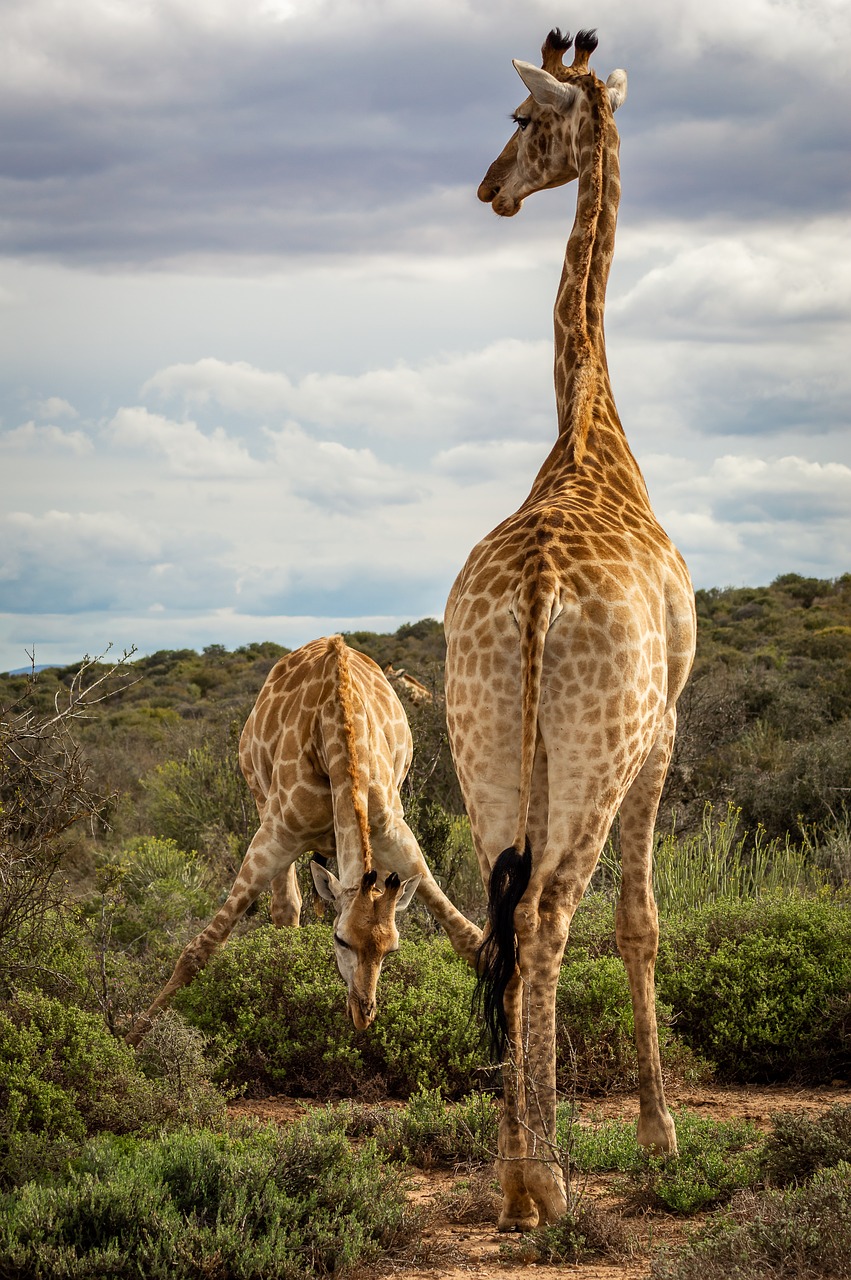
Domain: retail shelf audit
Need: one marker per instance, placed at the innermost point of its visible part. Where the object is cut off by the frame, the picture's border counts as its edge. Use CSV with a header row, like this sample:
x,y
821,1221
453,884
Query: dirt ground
x,y
462,1250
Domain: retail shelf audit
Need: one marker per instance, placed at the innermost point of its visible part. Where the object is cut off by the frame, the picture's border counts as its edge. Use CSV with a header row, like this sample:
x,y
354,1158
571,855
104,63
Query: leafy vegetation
x,y
762,987
120,832
272,1006
788,1235
263,1203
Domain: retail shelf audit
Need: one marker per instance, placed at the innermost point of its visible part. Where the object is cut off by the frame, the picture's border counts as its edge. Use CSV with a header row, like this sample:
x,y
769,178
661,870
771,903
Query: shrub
x,y
715,1159
63,1077
262,1204
424,1037
785,1235
273,1007
800,1144
152,896
586,1231
763,988
202,802
595,1044
428,1131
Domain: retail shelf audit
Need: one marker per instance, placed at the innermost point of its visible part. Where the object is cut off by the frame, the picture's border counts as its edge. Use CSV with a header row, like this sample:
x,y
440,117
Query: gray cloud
x,y
255,136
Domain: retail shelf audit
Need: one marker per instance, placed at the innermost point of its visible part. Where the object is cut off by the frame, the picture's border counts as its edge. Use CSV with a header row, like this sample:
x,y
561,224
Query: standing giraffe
x,y
570,635
324,751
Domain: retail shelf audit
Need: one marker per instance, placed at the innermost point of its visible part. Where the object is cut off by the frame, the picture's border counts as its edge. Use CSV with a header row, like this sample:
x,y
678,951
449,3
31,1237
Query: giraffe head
x,y
364,932
543,151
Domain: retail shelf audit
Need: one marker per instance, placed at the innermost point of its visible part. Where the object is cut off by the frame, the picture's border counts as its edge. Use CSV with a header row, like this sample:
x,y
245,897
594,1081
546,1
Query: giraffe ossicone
x,y
570,635
324,752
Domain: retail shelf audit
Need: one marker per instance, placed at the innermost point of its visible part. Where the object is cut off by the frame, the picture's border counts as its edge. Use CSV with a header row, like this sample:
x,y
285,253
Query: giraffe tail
x,y
535,606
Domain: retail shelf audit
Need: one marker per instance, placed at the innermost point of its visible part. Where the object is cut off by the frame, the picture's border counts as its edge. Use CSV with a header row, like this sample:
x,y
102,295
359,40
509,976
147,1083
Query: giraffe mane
x,y
344,689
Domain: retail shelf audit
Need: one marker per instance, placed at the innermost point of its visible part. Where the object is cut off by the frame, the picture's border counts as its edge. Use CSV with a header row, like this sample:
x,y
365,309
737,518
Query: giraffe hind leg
x,y
637,928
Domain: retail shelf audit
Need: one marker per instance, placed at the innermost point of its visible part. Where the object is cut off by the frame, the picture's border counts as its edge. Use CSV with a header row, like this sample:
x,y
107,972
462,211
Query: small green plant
x,y
597,1147
787,1235
715,1159
585,1231
429,1131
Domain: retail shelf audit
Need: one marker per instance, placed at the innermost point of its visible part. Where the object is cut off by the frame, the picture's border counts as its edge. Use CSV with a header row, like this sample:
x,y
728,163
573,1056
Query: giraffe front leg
x,y
637,931
286,899
261,862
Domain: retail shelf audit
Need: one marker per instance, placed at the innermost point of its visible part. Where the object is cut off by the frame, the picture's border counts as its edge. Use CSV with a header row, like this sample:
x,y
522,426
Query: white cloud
x,y
185,447
31,438
55,407
504,385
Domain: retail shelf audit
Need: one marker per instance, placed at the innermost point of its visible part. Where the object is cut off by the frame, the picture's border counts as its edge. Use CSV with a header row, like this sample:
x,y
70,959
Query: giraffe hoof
x,y
511,1220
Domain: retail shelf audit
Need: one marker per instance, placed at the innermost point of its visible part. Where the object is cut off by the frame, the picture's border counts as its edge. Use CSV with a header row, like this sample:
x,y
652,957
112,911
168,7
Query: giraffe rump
x,y
498,955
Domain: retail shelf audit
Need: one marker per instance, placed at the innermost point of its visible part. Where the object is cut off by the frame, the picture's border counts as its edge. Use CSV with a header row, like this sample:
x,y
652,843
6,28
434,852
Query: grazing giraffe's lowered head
x,y
324,751
364,932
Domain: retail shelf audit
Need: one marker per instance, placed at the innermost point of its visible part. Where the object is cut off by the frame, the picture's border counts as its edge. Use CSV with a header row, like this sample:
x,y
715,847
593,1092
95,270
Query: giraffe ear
x,y
544,88
616,85
327,885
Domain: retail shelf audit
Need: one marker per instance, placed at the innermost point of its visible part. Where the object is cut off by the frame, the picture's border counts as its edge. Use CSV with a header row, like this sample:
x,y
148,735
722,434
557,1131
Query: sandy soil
x,y
461,1250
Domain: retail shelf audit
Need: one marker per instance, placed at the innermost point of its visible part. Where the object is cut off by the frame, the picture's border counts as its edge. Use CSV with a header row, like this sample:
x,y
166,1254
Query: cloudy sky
x,y
270,369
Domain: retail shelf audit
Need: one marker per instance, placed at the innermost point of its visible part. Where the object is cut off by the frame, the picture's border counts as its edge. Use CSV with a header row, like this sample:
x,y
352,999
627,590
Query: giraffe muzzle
x,y
362,1012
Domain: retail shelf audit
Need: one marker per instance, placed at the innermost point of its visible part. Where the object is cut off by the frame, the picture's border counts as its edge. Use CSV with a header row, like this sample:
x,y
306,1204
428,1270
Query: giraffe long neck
x,y
581,372
591,437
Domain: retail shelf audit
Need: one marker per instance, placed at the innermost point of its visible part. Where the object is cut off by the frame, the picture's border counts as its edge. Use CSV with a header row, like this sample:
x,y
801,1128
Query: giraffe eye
x,y
521,122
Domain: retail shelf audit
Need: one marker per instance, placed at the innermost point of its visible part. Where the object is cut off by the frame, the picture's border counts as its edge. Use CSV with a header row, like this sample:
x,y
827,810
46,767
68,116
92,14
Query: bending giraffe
x,y
570,635
325,751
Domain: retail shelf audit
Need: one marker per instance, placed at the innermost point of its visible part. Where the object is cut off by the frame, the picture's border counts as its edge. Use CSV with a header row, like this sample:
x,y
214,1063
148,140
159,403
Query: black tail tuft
x,y
498,954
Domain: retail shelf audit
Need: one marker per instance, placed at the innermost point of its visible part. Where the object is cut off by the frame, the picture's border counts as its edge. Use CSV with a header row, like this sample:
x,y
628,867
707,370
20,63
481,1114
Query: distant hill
x,y
765,721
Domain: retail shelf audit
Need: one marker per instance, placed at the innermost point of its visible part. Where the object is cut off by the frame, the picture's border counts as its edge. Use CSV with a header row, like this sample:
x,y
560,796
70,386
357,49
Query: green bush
x,y
595,1044
424,1036
800,1144
202,802
428,1131
63,1077
763,988
715,1159
262,1204
273,1007
786,1235
586,1231
153,895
